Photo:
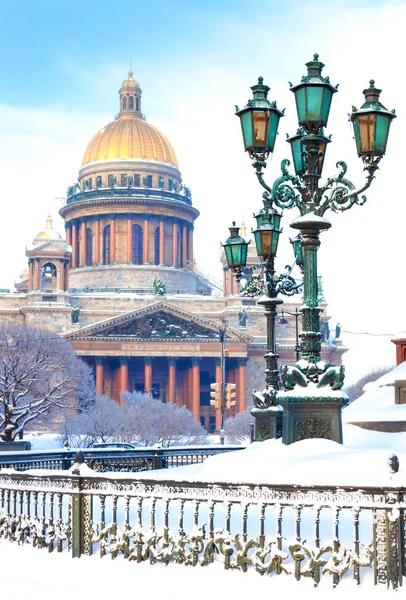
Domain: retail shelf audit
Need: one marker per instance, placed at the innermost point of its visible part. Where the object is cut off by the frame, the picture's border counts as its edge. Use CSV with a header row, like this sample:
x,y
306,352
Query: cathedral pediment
x,y
153,322
53,247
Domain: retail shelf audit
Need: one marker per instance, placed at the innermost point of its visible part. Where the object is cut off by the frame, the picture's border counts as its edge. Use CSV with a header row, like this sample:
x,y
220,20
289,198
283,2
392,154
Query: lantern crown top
x,y
372,98
314,69
234,238
259,98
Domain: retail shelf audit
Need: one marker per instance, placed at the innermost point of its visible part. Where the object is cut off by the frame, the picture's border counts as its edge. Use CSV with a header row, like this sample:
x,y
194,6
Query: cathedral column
x,y
184,245
230,282
219,379
99,376
174,244
190,243
196,388
97,241
82,244
30,274
123,378
62,275
146,242
224,282
37,272
242,385
74,245
112,240
161,242
171,380
148,374
129,240
66,275
69,236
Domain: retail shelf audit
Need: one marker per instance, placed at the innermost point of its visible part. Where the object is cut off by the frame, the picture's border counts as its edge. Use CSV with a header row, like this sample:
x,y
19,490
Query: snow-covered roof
x,y
377,403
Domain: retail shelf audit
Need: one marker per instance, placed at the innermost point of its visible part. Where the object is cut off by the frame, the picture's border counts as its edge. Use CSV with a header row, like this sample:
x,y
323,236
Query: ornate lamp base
x,y
308,414
268,423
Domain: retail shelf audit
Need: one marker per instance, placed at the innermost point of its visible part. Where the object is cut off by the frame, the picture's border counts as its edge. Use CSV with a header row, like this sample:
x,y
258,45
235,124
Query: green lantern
x,y
298,250
313,97
297,151
235,249
371,124
259,120
267,233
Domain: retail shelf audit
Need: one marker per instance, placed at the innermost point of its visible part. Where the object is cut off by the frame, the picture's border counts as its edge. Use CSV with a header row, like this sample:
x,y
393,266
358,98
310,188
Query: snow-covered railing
x,y
103,459
277,530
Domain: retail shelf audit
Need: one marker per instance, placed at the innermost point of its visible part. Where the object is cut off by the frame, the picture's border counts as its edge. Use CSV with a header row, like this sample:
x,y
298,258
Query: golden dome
x,y
49,232
130,136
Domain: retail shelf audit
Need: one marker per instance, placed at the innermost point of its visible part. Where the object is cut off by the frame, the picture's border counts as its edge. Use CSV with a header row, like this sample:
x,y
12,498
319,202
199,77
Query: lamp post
x,y
268,285
284,321
312,399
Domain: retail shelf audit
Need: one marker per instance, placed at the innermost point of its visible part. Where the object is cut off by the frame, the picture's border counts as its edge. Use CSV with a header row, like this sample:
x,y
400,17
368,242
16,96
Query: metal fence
x,y
102,460
275,530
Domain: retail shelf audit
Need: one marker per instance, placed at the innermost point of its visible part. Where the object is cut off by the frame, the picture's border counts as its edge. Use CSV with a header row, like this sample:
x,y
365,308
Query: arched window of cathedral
x,y
137,248
156,246
179,249
89,247
48,272
131,103
124,103
106,245
137,103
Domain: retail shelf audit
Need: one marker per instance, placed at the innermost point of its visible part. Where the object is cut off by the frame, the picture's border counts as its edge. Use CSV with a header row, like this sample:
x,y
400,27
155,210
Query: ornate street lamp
x,y
268,285
313,399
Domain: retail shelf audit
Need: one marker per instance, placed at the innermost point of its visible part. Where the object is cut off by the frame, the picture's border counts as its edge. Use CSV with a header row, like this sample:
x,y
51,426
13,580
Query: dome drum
x,y
135,279
128,174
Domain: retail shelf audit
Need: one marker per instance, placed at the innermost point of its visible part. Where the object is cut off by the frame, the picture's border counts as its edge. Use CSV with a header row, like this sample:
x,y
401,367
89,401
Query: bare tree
x,y
149,421
237,428
101,422
354,390
38,372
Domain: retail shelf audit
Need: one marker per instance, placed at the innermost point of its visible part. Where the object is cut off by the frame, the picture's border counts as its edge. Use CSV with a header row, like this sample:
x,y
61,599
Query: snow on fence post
x,y
389,542
82,511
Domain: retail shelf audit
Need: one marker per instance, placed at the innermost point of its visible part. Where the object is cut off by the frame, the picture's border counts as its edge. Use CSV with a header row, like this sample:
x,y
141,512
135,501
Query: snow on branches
x,y
38,372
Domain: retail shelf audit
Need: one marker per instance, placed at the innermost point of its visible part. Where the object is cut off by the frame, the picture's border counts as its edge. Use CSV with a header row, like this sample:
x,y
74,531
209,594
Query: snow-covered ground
x,y
27,573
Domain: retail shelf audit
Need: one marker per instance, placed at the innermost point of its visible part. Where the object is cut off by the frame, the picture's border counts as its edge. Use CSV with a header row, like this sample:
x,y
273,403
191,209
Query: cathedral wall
x,y
131,276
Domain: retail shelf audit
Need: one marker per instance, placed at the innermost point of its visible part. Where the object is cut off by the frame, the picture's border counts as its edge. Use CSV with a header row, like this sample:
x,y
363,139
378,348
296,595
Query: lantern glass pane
x,y
300,96
273,129
246,125
260,122
314,102
366,124
297,156
381,133
228,253
327,98
275,240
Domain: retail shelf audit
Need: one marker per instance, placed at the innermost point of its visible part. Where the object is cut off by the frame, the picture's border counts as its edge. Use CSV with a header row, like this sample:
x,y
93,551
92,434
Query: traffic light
x,y
230,394
216,395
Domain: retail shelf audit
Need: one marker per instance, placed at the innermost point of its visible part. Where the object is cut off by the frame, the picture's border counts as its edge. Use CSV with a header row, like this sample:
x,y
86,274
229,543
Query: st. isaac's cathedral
x,y
123,287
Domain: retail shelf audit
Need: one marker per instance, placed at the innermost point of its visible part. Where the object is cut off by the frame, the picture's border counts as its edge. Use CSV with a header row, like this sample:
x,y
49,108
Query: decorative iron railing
x,y
296,531
123,192
102,460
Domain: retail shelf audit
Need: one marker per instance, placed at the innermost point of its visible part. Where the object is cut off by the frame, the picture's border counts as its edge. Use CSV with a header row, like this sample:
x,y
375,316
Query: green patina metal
x,y
318,412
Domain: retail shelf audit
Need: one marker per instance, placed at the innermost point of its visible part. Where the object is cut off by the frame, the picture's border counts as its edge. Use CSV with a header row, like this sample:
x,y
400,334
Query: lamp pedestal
x,y
311,413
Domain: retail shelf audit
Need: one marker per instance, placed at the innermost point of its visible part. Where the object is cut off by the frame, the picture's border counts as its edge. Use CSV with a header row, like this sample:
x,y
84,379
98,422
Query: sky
x,y
61,67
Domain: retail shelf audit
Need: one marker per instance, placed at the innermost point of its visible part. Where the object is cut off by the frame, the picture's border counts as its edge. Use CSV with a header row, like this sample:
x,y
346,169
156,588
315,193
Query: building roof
x,y
130,136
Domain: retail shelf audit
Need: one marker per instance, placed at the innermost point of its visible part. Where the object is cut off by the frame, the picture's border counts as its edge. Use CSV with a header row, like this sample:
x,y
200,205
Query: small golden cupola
x,y
130,98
